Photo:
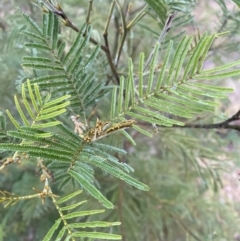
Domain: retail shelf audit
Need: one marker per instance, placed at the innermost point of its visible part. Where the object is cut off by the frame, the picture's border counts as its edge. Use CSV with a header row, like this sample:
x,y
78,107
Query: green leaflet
x,y
37,46
217,76
51,231
220,68
128,137
70,196
140,76
33,35
113,103
69,207
61,234
96,235
95,224
143,131
151,72
15,122
32,23
120,98
44,79
164,65
91,189
82,213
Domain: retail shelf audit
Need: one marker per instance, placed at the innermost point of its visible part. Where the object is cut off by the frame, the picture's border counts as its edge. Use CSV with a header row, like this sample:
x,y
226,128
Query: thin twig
x,y
89,11
59,12
105,36
116,37
221,125
124,13
163,33
138,9
124,29
141,14
127,6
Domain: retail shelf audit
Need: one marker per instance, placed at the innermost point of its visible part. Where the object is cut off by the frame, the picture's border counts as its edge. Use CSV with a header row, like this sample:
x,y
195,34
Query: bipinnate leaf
x,y
174,90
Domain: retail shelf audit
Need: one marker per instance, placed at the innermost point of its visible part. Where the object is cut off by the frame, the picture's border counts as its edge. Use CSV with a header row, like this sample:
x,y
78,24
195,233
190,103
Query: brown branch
x,y
108,53
162,35
116,37
221,125
57,10
124,30
227,124
209,126
126,27
89,11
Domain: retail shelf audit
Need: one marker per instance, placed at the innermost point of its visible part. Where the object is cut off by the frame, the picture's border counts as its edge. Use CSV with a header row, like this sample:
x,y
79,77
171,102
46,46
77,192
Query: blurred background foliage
x,y
192,173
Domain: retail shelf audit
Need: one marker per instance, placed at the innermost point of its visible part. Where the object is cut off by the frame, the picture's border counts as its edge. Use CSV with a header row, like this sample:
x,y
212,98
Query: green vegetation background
x,y
191,197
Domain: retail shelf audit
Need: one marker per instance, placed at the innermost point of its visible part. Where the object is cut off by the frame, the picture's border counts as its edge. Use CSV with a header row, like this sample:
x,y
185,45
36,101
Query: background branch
x,y
162,35
221,125
108,53
124,33
227,124
59,12
89,12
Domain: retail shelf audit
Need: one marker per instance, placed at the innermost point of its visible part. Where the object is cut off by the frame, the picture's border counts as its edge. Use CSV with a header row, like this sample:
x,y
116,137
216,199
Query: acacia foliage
x,y
154,91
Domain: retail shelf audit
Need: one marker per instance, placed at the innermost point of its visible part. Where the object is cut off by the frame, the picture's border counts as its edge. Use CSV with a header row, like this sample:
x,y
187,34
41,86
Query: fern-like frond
x,y
75,156
63,71
71,230
38,109
172,89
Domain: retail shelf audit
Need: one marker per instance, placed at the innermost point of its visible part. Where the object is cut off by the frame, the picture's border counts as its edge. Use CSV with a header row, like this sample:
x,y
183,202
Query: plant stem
x,y
108,53
124,13
89,11
59,12
124,29
221,125
163,33
141,14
